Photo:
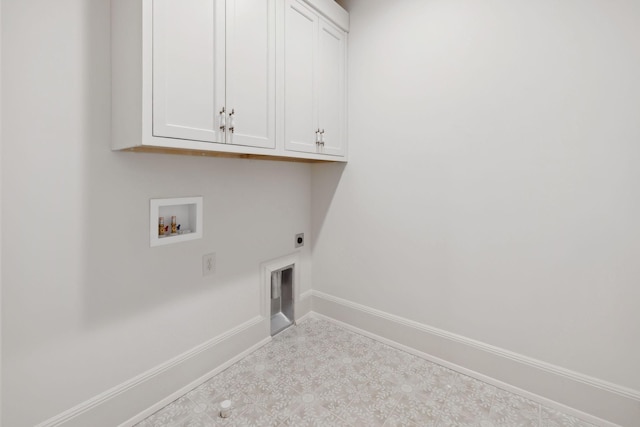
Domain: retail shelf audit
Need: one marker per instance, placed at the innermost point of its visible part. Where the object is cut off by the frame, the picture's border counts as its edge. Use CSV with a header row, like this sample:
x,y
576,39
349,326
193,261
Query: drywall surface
x,y
0,212
87,304
493,187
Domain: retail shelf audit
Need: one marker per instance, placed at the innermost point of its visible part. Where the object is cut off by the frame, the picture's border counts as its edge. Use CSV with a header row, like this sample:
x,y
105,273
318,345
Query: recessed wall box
x,y
164,229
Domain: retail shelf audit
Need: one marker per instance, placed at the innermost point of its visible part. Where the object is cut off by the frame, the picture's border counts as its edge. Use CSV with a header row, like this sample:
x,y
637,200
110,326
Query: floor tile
x,y
319,374
312,414
511,410
553,418
174,414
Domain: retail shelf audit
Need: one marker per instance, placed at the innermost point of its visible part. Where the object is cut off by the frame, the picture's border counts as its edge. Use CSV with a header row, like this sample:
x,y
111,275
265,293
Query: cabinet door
x,y
300,115
251,72
188,69
331,88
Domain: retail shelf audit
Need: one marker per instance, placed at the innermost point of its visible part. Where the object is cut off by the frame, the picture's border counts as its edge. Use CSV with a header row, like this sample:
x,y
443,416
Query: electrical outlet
x,y
299,240
208,264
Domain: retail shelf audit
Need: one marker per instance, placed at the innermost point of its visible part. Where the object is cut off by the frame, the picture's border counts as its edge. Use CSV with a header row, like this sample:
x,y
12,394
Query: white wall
x,y
86,303
492,191
493,188
1,214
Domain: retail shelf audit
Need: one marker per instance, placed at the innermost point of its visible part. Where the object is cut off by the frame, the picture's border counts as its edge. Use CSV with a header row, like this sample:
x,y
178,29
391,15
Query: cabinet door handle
x,y
232,126
223,120
318,137
322,137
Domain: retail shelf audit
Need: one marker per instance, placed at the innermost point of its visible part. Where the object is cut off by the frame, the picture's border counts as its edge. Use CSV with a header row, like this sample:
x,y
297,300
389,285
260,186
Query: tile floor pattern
x,y
318,374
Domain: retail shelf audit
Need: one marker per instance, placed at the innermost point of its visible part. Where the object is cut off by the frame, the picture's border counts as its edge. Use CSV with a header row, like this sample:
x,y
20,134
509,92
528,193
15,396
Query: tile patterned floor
x,y
318,374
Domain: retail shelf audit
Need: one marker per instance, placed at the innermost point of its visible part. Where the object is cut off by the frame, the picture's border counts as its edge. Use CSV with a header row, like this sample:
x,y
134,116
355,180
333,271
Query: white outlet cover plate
x,y
208,264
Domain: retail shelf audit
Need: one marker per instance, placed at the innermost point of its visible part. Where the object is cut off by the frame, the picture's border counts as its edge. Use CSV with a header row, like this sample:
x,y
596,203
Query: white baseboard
x,y
303,306
139,397
135,399
599,402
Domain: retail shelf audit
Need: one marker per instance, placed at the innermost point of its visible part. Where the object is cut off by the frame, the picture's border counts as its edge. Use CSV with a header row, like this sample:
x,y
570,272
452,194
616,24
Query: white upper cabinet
x,y
214,71
244,78
301,100
315,82
332,106
188,83
251,65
